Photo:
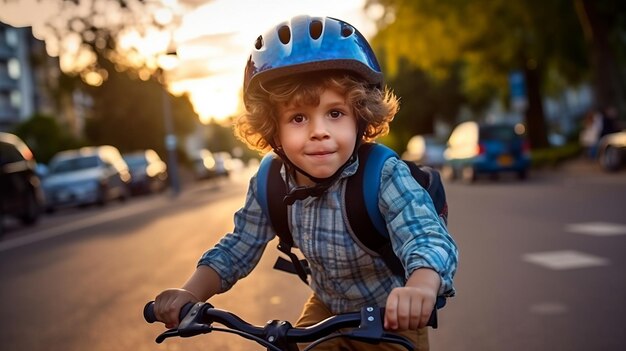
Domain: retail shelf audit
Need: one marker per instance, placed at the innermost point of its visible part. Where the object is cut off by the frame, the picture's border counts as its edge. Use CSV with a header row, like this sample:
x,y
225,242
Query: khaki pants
x,y
315,311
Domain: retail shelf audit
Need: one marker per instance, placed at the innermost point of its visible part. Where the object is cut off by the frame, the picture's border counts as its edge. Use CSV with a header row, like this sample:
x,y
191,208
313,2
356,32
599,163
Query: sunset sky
x,y
213,40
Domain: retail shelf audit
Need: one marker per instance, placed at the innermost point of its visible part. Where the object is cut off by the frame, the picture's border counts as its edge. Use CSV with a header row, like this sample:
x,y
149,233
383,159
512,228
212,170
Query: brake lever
x,y
199,329
190,325
167,334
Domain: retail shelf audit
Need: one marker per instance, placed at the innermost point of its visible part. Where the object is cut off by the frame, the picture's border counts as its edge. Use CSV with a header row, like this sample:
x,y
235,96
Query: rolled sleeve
x,y
418,235
237,253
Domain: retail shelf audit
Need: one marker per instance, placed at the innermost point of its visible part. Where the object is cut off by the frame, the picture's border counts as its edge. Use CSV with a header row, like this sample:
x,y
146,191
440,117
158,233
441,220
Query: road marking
x,y
560,260
597,228
548,308
72,226
126,211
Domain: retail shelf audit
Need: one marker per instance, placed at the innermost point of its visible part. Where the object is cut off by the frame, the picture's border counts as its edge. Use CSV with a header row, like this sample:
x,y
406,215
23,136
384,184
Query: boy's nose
x,y
319,129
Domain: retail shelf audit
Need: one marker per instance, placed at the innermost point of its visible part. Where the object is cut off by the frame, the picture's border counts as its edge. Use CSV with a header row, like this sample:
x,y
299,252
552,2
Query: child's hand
x,y
409,308
168,303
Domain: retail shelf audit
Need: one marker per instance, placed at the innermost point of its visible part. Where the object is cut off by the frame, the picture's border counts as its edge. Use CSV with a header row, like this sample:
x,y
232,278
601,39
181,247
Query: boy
x,y
313,93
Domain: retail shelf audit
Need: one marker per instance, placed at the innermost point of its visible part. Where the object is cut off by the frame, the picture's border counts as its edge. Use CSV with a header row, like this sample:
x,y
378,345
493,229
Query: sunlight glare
x,y
216,97
212,39
168,62
221,34
163,16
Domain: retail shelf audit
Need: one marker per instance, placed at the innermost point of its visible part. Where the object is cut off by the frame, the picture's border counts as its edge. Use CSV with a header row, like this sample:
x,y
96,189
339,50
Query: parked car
x,y
85,176
148,171
20,186
203,164
474,149
612,151
425,150
223,163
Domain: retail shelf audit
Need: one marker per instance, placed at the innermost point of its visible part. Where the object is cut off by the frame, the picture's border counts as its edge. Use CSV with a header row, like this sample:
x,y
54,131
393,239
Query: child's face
x,y
318,139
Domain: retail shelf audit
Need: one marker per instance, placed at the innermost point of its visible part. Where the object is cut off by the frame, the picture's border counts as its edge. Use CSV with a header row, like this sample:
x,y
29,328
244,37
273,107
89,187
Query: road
x,y
541,268
541,265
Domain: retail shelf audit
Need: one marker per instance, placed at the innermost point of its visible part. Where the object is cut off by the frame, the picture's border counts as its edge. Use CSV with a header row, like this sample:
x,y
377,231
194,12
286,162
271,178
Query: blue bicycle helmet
x,y
307,44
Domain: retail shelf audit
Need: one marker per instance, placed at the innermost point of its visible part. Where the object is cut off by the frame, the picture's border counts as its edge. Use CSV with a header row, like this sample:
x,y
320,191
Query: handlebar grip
x,y
150,317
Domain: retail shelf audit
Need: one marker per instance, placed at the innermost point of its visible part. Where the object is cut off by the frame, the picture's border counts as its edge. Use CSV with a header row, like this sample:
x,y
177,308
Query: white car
x,y
85,176
223,163
612,151
425,150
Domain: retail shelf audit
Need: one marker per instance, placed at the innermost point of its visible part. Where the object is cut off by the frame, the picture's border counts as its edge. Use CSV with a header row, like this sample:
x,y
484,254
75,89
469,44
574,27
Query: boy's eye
x,y
335,114
298,119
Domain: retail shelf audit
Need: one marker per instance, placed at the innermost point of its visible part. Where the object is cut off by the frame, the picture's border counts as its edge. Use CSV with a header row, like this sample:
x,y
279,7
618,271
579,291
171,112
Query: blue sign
x,y
517,85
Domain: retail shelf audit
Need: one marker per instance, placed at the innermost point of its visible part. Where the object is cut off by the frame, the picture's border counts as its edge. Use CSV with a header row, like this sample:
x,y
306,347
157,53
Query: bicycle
x,y
279,335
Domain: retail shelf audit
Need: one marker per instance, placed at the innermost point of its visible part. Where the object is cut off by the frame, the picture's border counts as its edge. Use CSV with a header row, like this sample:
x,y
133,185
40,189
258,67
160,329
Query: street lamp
x,y
166,62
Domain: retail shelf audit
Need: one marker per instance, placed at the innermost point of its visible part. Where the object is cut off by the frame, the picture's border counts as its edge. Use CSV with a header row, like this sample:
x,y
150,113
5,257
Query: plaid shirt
x,y
345,276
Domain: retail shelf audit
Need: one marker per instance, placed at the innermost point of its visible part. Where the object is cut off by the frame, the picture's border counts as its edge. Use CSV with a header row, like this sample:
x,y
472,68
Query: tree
x,y
81,32
90,38
45,137
423,100
490,40
604,26
128,113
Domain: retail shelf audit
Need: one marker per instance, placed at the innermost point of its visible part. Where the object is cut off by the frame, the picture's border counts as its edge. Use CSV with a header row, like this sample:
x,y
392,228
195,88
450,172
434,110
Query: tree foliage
x,y
81,32
489,39
423,100
45,137
128,113
91,39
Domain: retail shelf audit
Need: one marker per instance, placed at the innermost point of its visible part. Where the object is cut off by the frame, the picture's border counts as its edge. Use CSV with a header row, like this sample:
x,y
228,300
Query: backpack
x,y
362,211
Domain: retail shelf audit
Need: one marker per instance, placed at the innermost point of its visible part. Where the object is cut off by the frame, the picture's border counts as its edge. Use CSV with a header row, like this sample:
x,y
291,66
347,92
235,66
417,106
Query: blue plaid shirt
x,y
345,276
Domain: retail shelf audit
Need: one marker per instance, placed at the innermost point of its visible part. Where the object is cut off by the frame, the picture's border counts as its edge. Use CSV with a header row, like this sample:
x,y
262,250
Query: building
x,y
17,88
30,84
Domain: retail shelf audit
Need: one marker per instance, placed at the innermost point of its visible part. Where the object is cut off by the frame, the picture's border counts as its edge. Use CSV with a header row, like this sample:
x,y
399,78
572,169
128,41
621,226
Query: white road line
x,y
71,226
548,308
565,259
597,228
126,211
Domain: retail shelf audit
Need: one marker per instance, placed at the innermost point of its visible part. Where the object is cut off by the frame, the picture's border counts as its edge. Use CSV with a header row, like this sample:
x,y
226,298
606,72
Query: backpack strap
x,y
270,181
361,203
361,200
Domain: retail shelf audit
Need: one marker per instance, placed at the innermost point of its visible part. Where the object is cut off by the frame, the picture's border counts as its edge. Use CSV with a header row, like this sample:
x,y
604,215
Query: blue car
x,y
474,149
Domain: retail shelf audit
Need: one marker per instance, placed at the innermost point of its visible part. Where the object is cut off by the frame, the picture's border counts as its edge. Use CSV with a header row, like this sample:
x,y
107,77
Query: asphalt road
x,y
541,268
541,265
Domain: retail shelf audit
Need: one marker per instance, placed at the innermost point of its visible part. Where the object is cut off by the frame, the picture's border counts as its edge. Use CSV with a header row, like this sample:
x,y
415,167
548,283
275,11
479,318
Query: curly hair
x,y
258,126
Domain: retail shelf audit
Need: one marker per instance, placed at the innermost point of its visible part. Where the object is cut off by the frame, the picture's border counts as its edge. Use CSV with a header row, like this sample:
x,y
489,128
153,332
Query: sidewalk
x,y
581,165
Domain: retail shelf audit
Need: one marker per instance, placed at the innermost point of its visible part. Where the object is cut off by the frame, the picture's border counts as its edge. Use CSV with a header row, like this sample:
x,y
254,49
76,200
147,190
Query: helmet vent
x,y
347,31
259,42
315,29
284,34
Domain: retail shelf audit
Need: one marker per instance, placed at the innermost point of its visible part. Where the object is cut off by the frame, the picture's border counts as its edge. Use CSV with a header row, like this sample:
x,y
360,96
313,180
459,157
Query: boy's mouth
x,y
320,153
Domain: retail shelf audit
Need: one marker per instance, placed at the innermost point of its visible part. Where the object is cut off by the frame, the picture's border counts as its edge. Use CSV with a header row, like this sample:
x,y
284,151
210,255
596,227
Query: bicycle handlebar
x,y
279,335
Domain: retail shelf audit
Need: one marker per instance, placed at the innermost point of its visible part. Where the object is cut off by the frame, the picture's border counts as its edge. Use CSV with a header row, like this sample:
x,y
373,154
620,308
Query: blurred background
x,y
131,101
80,70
